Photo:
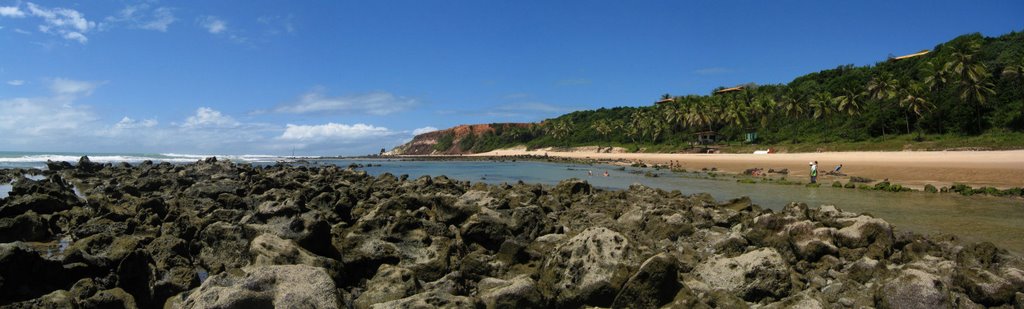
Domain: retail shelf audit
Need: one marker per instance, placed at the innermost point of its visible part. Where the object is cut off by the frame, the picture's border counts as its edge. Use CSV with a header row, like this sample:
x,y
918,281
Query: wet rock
x,y
37,202
865,231
753,275
56,299
913,288
24,227
113,298
654,285
518,292
587,269
280,286
224,246
488,228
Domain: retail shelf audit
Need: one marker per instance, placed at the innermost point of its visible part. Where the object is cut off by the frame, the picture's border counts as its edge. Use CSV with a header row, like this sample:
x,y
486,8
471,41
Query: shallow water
x,y
983,218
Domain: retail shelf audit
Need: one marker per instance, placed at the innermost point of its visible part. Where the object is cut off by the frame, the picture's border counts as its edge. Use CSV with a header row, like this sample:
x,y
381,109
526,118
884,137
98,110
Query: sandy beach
x,y
1001,169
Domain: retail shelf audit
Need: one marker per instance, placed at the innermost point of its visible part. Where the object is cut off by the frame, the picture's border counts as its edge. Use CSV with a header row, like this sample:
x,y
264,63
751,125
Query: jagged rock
x,y
27,226
518,292
587,269
865,231
752,276
913,288
488,228
431,300
985,287
56,299
268,249
112,298
224,247
654,285
279,286
390,283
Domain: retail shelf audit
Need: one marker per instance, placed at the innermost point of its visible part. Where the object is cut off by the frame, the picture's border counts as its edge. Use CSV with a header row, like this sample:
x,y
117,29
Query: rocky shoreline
x,y
215,234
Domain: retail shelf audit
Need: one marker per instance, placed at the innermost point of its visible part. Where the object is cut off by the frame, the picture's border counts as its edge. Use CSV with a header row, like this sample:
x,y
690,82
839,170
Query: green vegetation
x,y
966,93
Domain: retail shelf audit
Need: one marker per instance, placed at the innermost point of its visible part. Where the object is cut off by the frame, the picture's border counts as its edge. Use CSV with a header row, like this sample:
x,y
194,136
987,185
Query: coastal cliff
x,y
455,140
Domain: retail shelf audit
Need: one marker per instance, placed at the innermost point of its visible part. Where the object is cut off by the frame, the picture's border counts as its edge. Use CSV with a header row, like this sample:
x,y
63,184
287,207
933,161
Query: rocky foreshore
x,y
215,234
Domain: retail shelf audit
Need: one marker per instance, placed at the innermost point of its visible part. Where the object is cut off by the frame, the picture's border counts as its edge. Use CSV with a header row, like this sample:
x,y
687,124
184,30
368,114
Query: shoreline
x,y
1001,169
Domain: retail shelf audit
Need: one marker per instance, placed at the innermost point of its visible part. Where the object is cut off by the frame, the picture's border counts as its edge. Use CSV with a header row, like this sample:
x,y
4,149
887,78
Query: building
x,y
727,90
920,53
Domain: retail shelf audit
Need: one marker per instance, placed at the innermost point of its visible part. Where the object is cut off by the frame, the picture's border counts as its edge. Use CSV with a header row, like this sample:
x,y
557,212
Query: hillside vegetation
x,y
965,93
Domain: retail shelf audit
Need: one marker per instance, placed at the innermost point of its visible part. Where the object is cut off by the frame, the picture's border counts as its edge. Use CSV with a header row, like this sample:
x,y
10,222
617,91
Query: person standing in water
x,y
814,172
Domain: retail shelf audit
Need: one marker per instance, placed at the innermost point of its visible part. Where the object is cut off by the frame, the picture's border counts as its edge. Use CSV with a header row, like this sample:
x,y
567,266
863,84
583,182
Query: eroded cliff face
x,y
447,141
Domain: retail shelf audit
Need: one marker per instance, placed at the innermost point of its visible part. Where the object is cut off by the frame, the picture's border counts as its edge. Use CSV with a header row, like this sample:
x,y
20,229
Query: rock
x,y
56,299
865,231
587,269
431,300
488,228
27,226
25,275
37,202
113,298
984,287
518,292
913,288
654,285
224,246
753,275
279,286
390,283
268,249
572,186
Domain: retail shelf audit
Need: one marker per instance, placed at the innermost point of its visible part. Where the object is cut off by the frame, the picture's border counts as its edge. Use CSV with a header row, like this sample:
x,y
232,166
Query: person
x,y
814,172
838,167
605,173
590,173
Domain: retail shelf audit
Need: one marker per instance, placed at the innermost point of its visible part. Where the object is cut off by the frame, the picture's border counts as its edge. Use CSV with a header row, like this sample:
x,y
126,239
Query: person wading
x,y
814,172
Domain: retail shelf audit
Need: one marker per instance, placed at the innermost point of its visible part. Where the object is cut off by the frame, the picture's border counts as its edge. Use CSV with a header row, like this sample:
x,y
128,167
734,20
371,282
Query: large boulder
x,y
518,292
431,300
654,285
27,226
753,275
985,287
279,286
389,283
268,249
864,231
587,269
913,288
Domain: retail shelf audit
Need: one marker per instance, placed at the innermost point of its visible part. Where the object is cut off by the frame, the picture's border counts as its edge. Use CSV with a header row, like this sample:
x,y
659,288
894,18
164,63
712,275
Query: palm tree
x,y
560,130
849,102
821,104
934,76
1015,70
791,103
666,96
603,127
914,101
762,109
635,127
972,77
883,88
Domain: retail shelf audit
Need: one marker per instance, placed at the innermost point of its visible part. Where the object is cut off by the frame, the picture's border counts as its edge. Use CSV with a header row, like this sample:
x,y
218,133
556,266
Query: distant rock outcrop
x,y
448,141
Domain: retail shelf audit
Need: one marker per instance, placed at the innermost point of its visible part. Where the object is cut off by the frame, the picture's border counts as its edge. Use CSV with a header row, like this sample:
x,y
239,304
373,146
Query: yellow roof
x,y
730,89
920,53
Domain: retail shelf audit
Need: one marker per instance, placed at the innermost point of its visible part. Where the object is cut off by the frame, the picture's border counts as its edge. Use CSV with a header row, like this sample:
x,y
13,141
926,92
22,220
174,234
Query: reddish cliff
x,y
447,141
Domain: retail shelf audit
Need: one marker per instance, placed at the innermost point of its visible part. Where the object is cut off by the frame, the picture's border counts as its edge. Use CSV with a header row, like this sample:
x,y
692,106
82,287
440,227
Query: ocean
x,y
16,159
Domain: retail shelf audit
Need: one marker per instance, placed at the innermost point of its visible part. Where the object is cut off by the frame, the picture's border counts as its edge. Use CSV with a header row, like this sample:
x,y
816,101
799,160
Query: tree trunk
x,y
906,116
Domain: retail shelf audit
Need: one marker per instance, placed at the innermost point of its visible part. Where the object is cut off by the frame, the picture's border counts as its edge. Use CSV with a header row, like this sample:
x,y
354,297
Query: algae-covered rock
x,y
279,286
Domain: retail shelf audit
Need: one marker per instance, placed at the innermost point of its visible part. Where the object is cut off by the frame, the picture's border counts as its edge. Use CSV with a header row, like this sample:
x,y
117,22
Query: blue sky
x,y
342,77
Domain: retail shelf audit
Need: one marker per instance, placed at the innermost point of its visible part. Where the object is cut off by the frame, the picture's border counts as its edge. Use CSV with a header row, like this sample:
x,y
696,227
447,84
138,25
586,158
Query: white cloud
x,y
63,86
11,11
67,23
213,24
374,103
206,117
129,123
143,16
16,82
333,132
422,130
277,24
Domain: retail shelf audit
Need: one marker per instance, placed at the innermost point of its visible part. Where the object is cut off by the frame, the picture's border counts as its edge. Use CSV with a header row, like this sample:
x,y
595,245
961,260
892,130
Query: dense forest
x,y
967,87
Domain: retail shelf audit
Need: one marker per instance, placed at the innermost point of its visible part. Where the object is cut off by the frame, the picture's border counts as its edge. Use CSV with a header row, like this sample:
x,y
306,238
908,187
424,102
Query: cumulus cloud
x,y
422,130
374,103
333,132
213,24
67,23
11,11
144,16
62,86
206,117
129,123
16,82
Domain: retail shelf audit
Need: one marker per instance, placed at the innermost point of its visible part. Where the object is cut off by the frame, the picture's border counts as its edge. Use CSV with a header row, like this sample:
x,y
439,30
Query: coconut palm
x,y
934,76
914,101
603,127
822,104
972,77
762,109
1015,71
791,103
883,87
850,101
